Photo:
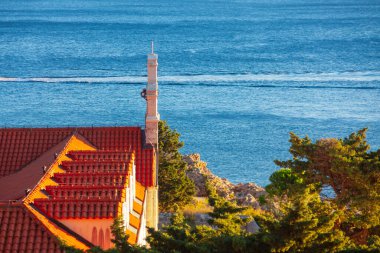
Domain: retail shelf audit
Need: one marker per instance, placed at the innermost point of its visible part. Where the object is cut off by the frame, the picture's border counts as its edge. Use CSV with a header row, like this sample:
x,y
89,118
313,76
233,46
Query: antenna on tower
x,y
152,45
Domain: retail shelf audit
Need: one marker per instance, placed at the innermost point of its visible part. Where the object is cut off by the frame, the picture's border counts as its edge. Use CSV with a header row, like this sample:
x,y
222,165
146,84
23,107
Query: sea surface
x,y
236,76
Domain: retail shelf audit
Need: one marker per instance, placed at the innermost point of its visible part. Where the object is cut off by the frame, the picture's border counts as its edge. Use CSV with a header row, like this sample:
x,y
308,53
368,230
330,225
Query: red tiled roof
x,y
13,186
100,177
20,146
78,208
20,231
86,177
91,192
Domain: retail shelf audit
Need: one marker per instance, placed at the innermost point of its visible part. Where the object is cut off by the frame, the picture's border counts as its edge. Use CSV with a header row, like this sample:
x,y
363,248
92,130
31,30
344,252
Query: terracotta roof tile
x,y
59,230
13,186
80,208
86,178
20,146
87,188
20,231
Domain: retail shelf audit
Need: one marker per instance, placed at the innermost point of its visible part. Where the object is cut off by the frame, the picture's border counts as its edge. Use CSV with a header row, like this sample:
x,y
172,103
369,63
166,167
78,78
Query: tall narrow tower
x,y
151,137
152,117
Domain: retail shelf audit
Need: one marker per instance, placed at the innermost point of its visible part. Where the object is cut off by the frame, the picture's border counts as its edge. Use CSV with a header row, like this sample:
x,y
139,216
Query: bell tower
x,y
151,94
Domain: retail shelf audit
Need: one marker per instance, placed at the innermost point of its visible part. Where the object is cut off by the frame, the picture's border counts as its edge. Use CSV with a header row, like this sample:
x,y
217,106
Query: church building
x,y
69,184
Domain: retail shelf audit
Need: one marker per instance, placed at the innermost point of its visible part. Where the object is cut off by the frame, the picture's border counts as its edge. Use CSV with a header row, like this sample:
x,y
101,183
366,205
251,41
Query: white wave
x,y
111,79
309,77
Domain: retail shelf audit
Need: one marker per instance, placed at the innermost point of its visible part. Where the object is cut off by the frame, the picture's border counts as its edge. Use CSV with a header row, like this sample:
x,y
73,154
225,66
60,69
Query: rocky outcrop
x,y
246,194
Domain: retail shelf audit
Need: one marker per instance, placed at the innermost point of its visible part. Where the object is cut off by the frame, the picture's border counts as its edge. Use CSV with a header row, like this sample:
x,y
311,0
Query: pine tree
x,y
174,185
307,224
349,169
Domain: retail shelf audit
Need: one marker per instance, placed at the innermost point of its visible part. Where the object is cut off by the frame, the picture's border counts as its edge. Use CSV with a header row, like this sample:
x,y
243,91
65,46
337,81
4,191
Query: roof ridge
x,y
27,175
57,157
56,223
84,139
47,150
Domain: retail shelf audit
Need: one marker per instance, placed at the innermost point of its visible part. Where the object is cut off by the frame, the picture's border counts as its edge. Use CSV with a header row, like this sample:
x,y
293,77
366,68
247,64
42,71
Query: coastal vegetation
x,y
326,198
176,189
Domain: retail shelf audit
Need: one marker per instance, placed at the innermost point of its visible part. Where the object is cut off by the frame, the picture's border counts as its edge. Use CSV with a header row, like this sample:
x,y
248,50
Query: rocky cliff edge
x,y
245,194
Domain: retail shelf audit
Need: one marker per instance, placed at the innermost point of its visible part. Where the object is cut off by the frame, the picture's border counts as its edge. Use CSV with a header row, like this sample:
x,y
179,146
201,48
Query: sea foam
x,y
364,76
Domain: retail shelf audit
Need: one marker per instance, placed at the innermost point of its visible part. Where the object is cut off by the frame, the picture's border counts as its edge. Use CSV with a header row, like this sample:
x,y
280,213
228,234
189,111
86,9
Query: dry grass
x,y
198,205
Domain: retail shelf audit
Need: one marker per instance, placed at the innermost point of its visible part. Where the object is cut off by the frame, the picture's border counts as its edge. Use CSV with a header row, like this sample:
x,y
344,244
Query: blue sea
x,y
236,76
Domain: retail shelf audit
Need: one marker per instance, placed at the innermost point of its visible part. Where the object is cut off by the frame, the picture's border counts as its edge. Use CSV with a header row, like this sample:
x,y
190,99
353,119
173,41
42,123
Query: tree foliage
x,y
174,185
306,224
226,216
120,239
284,181
225,233
344,165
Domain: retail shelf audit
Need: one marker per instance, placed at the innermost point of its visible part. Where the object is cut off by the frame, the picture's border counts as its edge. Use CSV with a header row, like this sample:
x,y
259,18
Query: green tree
x,y
120,240
284,182
227,216
179,236
174,185
306,224
348,168
224,234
